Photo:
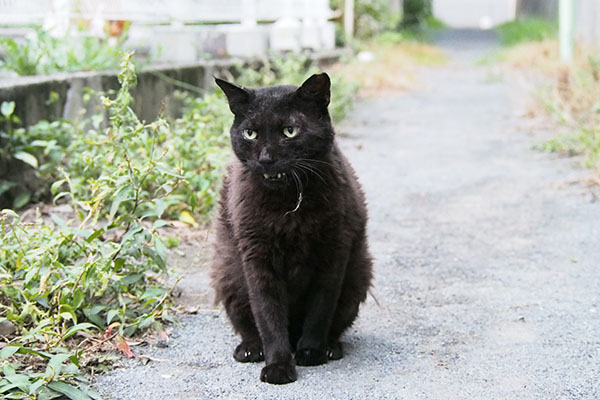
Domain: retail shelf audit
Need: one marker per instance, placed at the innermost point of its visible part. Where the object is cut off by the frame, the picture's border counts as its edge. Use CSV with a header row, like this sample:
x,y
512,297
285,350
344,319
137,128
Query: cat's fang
x,y
279,176
266,176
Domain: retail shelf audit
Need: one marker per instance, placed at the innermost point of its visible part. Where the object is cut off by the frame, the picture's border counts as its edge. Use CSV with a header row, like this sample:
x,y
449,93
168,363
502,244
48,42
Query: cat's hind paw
x,y
279,374
248,352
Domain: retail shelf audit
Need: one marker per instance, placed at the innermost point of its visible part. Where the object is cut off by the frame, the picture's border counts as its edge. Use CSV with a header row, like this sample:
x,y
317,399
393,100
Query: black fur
x,y
291,261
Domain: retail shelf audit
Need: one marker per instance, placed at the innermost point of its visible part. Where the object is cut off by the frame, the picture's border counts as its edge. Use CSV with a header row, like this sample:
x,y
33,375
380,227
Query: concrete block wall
x,y
155,87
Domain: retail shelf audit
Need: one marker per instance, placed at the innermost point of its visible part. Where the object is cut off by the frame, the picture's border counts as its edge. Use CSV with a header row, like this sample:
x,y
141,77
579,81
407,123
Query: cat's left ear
x,y
237,96
317,88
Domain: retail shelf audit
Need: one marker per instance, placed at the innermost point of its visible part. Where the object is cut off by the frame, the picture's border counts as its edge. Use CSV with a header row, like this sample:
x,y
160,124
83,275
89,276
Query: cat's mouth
x,y
274,177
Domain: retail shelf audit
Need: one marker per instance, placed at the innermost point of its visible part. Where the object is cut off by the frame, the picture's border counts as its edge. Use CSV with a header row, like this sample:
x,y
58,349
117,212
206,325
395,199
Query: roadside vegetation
x,y
523,42
520,31
70,288
573,100
567,94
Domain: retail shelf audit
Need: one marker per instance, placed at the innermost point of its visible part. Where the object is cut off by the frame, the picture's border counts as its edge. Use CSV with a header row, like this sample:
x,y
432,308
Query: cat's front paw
x,y
249,352
279,373
335,351
310,357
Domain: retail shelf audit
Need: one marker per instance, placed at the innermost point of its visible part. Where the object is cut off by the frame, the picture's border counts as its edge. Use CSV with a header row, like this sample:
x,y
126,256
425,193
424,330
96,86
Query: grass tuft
x,y
525,30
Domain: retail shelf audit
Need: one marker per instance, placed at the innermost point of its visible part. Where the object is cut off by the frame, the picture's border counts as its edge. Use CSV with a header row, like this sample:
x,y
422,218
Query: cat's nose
x,y
265,158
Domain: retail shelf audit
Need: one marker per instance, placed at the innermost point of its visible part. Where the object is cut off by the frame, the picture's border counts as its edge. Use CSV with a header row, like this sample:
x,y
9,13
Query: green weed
x,y
62,283
574,101
584,141
44,54
525,30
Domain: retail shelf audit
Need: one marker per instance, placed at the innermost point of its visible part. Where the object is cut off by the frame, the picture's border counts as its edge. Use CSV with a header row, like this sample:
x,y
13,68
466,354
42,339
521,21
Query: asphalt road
x,y
487,269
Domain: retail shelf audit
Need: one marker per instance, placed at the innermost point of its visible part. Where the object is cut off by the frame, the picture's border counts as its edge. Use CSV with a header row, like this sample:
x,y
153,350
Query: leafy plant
x,y
32,154
22,59
42,54
102,275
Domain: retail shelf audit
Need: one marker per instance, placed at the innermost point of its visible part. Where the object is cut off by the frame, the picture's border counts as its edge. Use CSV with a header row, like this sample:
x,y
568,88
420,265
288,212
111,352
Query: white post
x,y
349,18
249,13
512,10
566,17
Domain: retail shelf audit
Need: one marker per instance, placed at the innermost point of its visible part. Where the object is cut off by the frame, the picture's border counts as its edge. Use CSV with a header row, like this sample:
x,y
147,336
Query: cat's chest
x,y
292,238
292,260
289,222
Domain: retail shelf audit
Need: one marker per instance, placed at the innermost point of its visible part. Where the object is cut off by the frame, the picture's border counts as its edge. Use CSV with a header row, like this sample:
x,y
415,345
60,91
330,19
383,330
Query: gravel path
x,y
487,263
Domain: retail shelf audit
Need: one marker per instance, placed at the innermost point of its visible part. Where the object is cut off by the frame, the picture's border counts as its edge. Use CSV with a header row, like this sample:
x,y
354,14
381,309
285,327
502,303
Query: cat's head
x,y
278,131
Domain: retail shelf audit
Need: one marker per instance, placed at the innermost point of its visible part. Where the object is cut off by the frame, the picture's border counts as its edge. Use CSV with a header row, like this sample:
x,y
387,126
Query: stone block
x,y
247,41
284,35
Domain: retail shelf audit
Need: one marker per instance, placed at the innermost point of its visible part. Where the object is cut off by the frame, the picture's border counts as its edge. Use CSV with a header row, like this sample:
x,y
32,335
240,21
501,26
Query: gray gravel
x,y
487,263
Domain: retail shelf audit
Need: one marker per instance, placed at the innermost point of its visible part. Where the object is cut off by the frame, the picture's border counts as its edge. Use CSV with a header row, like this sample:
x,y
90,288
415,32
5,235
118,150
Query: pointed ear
x,y
237,96
317,88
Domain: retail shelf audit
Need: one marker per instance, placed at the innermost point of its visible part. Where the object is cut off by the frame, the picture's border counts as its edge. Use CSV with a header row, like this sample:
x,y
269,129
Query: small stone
x,y
7,328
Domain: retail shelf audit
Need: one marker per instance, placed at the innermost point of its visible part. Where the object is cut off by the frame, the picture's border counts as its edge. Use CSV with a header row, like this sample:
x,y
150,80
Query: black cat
x,y
291,261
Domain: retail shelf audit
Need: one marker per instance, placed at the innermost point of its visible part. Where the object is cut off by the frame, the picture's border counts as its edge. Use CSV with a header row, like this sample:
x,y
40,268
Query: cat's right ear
x,y
237,96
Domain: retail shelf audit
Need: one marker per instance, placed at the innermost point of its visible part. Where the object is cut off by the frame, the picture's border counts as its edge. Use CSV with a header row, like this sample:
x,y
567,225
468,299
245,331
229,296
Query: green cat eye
x,y
249,134
290,131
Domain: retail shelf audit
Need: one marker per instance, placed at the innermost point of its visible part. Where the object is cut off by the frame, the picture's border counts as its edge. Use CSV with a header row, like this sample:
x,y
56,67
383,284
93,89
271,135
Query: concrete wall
x,y
155,86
